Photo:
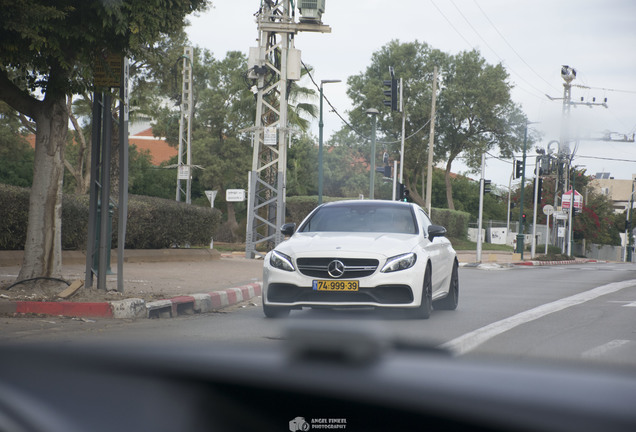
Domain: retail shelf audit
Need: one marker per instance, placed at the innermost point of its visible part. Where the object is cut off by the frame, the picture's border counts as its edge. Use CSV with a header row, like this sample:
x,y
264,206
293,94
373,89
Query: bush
x,y
14,210
74,221
551,256
153,223
455,222
157,223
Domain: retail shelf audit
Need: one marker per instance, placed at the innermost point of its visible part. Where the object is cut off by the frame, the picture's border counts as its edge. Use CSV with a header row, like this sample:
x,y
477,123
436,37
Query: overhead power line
x,y
357,132
511,47
538,91
604,89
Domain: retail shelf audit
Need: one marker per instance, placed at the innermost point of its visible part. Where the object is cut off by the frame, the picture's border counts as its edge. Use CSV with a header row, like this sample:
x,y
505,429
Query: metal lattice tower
x,y
272,65
184,171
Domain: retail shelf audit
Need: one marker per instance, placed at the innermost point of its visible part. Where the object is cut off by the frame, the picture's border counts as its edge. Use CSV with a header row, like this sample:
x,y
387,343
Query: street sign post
x,y
235,195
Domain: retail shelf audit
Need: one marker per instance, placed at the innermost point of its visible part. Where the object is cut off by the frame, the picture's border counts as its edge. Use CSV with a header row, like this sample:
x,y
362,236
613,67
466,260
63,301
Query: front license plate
x,y
335,285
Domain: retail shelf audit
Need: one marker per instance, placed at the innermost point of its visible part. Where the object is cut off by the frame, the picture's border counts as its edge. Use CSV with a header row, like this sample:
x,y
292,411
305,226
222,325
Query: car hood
x,y
350,244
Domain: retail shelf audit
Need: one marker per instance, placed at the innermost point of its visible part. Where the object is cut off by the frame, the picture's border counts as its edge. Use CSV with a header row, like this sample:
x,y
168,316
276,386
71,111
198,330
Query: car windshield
x,y
362,218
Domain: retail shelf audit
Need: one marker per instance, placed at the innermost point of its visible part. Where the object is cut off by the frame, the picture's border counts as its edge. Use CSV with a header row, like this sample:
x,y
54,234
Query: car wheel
x,y
452,299
275,311
423,311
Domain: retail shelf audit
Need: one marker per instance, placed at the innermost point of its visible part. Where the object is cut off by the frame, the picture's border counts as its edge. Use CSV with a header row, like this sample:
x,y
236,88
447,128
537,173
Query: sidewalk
x,y
157,283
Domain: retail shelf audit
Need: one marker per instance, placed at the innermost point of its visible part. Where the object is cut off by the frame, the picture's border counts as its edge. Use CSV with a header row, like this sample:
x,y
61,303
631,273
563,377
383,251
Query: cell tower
x,y
272,65
184,171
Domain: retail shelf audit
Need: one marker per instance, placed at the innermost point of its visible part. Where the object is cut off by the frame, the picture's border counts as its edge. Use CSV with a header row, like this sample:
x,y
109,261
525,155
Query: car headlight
x,y
281,261
400,262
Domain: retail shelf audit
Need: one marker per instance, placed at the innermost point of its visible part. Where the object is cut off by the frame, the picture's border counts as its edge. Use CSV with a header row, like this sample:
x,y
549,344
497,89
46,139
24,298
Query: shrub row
x,y
455,222
153,223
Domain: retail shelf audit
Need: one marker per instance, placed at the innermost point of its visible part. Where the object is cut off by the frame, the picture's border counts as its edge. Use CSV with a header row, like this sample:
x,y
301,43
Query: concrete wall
x,y
600,252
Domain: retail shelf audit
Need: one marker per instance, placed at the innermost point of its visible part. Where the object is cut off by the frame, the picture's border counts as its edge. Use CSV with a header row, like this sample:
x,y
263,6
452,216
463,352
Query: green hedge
x,y
14,210
455,222
153,223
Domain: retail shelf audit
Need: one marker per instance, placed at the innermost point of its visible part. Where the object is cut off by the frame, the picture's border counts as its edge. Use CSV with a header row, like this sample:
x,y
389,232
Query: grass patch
x,y
461,244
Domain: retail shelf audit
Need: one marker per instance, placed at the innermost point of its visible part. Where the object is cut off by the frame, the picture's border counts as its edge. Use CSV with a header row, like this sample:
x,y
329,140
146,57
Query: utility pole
x,y
520,234
564,155
431,141
373,113
272,65
321,124
184,171
481,206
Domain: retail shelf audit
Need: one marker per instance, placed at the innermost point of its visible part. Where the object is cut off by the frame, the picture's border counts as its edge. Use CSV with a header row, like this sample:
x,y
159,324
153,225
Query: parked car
x,y
362,253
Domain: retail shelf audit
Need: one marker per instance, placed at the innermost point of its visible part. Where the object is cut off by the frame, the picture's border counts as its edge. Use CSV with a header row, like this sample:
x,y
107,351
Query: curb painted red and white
x,y
137,308
543,263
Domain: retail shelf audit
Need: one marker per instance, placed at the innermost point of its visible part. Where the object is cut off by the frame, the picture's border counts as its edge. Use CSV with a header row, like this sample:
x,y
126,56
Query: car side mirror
x,y
436,231
288,229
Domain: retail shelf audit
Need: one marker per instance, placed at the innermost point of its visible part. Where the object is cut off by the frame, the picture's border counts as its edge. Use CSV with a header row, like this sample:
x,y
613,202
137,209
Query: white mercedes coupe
x,y
363,253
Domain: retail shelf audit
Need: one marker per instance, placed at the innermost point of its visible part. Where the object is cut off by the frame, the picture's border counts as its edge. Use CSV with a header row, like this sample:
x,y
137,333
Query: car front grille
x,y
354,267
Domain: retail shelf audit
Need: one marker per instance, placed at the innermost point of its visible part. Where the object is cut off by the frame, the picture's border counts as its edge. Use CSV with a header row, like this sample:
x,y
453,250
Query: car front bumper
x,y
401,289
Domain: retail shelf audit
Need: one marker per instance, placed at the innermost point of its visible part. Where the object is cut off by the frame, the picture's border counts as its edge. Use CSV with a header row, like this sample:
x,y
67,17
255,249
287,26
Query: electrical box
x,y
311,10
255,59
293,64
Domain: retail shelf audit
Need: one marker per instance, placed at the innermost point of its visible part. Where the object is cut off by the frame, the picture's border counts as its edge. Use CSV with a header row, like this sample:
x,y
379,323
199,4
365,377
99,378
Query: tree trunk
x,y
232,224
43,247
449,187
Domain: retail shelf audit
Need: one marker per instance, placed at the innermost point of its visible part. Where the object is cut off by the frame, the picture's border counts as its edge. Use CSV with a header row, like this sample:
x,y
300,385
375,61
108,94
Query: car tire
x,y
423,311
275,311
452,299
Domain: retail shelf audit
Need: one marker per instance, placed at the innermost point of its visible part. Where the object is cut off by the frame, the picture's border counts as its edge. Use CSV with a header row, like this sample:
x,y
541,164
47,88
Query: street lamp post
x,y
320,127
373,112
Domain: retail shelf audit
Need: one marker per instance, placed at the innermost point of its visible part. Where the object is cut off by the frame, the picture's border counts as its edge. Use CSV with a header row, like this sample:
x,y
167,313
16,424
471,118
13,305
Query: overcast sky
x,y
532,39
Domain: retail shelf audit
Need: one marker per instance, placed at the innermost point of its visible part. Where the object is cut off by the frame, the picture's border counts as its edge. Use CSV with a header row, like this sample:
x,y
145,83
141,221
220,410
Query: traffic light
x,y
387,171
403,192
391,94
539,188
518,168
523,218
487,187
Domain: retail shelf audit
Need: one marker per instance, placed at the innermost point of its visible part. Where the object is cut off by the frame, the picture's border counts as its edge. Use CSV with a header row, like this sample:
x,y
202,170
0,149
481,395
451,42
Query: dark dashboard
x,y
317,379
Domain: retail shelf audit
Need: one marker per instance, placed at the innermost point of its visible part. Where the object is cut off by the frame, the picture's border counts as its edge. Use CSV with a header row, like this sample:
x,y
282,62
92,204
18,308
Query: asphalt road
x,y
571,312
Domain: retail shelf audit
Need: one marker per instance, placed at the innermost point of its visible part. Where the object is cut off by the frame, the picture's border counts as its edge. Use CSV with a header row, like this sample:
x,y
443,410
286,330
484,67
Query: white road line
x,y
470,341
601,350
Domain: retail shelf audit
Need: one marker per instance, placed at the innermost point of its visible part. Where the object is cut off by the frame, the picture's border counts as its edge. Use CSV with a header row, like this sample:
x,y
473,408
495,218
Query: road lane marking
x,y
601,350
470,341
625,303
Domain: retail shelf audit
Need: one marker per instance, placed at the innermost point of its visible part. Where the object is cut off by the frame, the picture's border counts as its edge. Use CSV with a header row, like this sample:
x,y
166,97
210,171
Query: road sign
x,y
566,198
548,209
211,194
235,195
184,172
107,70
270,136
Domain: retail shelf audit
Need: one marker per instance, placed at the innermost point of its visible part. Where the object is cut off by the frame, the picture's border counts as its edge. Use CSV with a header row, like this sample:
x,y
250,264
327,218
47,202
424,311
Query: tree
x,y
49,49
414,62
475,114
